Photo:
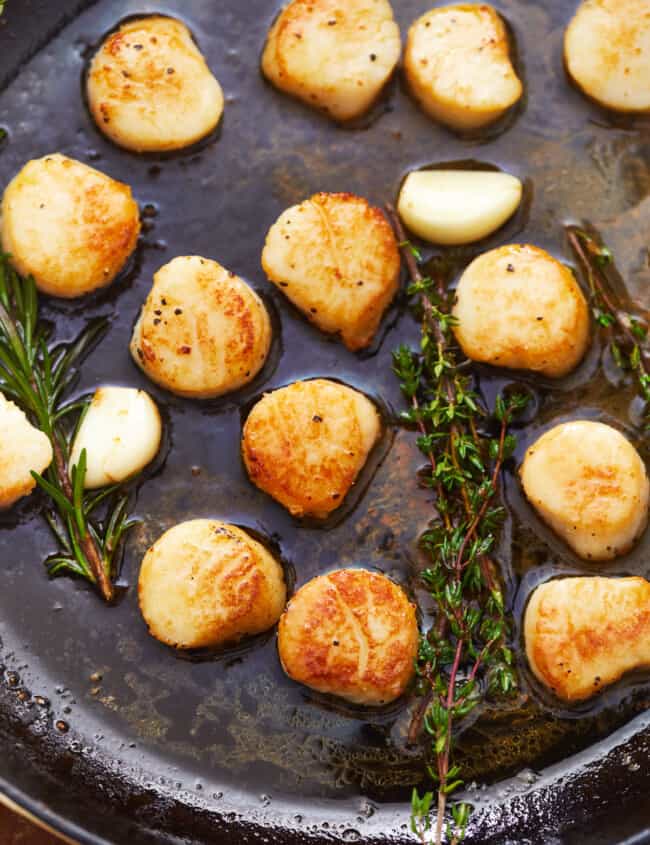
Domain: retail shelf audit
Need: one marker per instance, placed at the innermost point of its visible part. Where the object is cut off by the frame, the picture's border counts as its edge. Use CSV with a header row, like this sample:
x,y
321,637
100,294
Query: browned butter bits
x,y
352,634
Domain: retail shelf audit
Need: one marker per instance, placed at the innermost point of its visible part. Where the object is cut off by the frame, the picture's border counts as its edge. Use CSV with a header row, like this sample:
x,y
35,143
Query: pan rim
x,y
40,813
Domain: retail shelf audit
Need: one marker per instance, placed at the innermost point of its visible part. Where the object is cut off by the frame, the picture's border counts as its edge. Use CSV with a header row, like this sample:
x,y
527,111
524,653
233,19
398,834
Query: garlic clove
x,y
121,433
454,207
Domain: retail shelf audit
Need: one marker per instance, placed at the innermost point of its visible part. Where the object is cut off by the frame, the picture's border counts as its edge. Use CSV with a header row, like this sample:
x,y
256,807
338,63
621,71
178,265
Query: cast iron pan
x,y
227,750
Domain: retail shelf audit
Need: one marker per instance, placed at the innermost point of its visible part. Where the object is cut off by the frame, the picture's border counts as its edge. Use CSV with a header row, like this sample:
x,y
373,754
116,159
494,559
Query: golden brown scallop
x,y
585,633
350,633
335,55
68,225
518,307
336,258
458,66
588,482
150,89
205,583
23,448
607,52
202,331
305,444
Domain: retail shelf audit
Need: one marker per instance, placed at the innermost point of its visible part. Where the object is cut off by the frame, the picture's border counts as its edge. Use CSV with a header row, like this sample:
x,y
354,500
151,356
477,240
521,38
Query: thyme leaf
x,y
626,330
464,659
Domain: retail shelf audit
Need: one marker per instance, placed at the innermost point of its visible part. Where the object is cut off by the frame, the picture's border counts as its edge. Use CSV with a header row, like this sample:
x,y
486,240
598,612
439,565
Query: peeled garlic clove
x,y
453,207
121,434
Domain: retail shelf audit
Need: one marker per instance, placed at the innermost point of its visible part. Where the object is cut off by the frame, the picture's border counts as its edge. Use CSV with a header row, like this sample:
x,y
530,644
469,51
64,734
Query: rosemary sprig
x,y
626,330
38,376
464,658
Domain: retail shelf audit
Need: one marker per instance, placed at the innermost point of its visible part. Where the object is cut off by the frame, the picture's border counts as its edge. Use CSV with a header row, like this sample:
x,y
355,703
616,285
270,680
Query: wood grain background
x,y
15,830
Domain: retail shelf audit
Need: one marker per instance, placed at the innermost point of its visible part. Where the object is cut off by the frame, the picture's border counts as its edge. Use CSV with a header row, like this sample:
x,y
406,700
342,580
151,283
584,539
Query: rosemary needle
x,y
38,376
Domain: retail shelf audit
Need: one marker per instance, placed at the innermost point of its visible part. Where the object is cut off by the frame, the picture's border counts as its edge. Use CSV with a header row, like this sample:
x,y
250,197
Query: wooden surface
x,y
15,830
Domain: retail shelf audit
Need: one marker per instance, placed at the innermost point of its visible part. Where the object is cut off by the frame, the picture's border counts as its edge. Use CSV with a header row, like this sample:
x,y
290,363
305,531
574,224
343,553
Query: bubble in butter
x,y
454,207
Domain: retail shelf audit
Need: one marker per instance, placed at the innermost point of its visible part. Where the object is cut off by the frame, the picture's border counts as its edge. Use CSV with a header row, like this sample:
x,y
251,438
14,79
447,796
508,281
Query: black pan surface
x,y
228,750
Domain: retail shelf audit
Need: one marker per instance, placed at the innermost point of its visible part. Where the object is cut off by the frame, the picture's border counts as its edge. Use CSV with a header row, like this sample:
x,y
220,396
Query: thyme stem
x,y
626,332
594,273
464,657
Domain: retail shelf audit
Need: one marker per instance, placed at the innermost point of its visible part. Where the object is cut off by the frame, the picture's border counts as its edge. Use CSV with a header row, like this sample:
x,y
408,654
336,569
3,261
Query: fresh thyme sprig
x,y
38,377
626,331
464,658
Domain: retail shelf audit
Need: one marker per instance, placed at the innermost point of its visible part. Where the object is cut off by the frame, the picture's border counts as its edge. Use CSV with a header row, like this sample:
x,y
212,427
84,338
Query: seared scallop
x,y
335,55
458,66
518,307
121,432
588,482
69,226
202,331
350,633
23,448
305,444
585,633
205,583
150,89
336,258
607,53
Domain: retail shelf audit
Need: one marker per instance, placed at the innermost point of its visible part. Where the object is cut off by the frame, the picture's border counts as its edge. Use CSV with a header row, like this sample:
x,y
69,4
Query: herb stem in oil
x,y
628,331
464,658
38,377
